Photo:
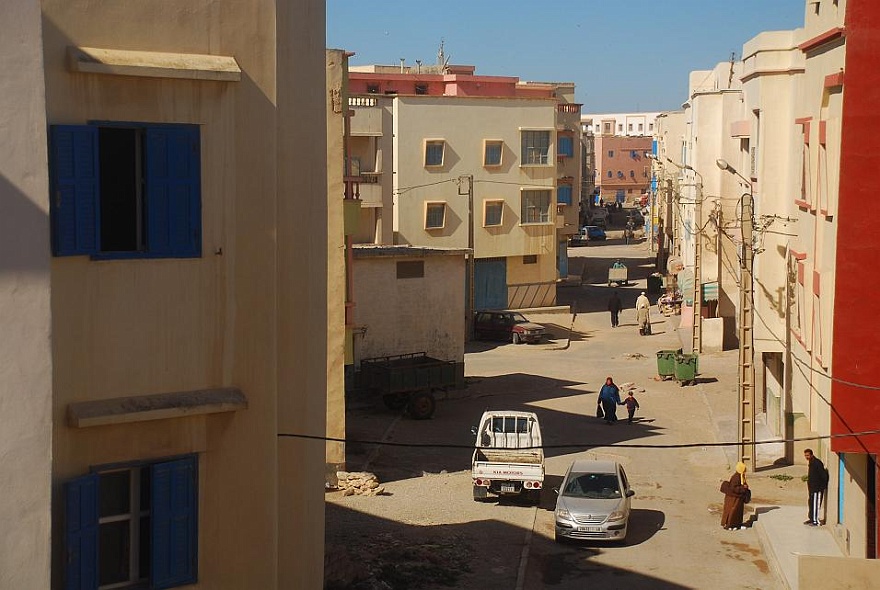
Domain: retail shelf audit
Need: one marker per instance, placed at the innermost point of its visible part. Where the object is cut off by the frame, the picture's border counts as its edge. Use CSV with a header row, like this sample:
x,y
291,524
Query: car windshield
x,y
519,318
592,485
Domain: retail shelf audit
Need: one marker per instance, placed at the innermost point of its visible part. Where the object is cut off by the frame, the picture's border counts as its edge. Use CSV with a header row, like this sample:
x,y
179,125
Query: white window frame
x,y
543,214
432,204
486,204
486,144
543,160
433,142
133,517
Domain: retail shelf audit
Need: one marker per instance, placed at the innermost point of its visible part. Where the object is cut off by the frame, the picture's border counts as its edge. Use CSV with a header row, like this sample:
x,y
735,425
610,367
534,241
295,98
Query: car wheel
x,y
516,338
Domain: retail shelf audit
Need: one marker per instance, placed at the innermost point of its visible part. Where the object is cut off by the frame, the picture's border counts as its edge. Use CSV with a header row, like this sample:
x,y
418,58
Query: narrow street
x,y
426,531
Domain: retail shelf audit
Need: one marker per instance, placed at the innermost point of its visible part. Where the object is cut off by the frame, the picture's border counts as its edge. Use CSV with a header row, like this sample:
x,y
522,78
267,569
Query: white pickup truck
x,y
508,458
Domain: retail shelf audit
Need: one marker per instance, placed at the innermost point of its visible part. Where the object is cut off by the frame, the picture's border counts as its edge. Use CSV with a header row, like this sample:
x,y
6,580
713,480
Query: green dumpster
x,y
666,363
686,368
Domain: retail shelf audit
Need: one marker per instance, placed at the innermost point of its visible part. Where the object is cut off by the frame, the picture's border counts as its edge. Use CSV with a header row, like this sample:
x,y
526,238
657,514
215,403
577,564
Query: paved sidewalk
x,y
785,537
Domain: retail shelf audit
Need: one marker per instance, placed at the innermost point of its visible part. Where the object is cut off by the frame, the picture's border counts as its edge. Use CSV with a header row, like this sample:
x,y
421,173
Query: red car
x,y
506,325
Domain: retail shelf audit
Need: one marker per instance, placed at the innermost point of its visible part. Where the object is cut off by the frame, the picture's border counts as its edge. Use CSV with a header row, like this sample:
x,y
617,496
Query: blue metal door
x,y
490,283
562,259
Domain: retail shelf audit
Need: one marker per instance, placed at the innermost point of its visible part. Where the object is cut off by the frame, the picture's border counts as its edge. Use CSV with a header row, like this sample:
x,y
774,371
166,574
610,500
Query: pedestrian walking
x,y
632,405
736,496
614,306
609,396
643,311
817,483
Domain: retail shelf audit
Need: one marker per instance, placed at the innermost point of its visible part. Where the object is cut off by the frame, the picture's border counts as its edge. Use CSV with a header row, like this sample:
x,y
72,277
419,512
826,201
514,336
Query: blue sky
x,y
630,55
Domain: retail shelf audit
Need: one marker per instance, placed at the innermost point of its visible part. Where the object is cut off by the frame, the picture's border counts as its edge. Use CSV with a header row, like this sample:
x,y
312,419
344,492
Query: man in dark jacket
x,y
614,306
817,483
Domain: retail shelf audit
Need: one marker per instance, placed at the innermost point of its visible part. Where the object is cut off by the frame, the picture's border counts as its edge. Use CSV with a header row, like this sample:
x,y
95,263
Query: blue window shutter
x,y
81,533
174,523
173,192
75,186
566,147
563,195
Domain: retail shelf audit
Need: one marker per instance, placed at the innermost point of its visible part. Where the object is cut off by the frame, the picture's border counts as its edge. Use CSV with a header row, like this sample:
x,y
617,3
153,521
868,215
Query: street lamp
x,y
747,411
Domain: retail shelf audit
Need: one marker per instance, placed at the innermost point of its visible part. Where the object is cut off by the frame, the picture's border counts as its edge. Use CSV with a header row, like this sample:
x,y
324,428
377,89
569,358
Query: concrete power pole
x,y
747,410
471,263
697,328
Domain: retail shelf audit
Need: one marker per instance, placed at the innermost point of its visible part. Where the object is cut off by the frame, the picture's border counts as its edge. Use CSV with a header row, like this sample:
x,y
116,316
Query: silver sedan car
x,y
593,502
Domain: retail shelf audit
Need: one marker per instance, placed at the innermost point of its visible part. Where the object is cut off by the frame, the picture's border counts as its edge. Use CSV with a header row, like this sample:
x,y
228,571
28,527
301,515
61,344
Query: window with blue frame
x,y
565,146
563,195
132,526
125,190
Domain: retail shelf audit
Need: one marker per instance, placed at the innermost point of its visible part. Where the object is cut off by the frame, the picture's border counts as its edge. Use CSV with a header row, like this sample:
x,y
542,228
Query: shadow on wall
x,y
20,222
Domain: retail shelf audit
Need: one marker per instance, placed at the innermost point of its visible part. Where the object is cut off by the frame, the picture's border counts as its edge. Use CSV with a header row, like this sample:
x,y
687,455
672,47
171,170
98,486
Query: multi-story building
x,y
621,171
422,135
796,139
172,256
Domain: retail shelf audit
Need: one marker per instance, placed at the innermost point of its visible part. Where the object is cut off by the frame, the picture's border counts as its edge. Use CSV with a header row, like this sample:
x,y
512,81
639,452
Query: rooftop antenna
x,y
730,77
442,58
402,67
418,66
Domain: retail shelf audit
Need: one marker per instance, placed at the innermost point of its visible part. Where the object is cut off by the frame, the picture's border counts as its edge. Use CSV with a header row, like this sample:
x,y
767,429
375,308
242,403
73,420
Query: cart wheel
x,y
421,405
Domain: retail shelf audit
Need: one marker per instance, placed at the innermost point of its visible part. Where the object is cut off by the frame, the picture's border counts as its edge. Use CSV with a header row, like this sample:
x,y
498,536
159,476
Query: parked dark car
x,y
506,325
595,232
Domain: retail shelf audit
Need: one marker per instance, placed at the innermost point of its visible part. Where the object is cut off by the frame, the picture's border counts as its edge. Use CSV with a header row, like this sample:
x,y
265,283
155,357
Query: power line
x,y
577,445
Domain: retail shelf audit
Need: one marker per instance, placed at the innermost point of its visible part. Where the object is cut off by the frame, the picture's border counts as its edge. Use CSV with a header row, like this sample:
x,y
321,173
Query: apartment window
x,y
610,174
629,127
126,191
608,128
410,269
434,149
133,527
492,213
597,128
632,173
535,147
565,146
620,174
620,127
421,89
650,127
610,153
535,206
530,259
641,126
563,195
492,150
634,154
435,215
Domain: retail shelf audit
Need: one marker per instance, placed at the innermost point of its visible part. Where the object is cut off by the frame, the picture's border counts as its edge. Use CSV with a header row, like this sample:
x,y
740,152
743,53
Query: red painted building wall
x,y
856,347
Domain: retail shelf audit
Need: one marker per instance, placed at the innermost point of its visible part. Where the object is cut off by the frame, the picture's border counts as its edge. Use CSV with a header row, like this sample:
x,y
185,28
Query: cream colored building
x,y
442,142
25,313
187,242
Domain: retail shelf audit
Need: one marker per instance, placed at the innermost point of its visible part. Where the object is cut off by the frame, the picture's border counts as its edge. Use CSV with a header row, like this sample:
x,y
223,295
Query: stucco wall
x,y
233,316
25,356
401,316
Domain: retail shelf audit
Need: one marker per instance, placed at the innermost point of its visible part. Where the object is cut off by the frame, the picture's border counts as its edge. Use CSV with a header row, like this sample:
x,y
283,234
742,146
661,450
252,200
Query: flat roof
x,y
401,251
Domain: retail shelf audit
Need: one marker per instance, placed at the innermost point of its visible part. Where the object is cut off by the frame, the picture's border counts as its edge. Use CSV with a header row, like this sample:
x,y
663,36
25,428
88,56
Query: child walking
x,y
631,404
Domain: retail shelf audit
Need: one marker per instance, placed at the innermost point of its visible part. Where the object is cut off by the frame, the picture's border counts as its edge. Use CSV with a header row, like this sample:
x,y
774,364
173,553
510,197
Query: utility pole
x,y
469,322
697,328
747,410
676,237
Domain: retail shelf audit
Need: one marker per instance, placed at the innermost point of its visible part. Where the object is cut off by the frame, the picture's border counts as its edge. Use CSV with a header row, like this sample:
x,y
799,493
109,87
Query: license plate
x,y
590,529
508,489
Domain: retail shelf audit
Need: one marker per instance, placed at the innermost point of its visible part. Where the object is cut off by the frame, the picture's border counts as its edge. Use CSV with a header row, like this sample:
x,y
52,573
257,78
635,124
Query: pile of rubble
x,y
361,483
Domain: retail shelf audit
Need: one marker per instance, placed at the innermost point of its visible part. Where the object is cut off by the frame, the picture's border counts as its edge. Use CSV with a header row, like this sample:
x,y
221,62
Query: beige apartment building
x,y
793,130
173,233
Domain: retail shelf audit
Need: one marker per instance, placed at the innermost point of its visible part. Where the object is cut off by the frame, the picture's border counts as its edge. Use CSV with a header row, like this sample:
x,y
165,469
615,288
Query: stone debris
x,y
635,356
360,483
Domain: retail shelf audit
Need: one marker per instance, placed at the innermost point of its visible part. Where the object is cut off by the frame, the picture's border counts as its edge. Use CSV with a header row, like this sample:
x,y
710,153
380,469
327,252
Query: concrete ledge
x,y
551,309
150,64
160,406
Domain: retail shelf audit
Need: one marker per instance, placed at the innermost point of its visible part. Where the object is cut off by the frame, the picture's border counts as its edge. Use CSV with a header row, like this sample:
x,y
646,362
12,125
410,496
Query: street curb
x,y
770,552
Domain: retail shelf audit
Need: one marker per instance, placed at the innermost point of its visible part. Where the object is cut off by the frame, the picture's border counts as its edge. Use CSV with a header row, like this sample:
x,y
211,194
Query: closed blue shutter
x,y
173,178
75,186
174,523
563,195
81,533
566,147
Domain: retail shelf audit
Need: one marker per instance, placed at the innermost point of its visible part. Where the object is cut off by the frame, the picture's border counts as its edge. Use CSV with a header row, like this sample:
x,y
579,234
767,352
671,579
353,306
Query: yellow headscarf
x,y
741,469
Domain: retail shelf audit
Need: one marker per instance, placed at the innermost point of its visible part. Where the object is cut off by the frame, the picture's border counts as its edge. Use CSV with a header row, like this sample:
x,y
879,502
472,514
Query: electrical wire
x,y
579,444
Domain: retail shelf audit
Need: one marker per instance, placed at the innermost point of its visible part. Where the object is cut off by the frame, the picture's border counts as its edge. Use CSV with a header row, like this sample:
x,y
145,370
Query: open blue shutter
x,y
173,192
566,146
75,185
174,523
81,533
